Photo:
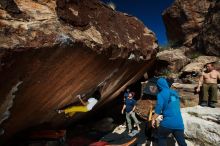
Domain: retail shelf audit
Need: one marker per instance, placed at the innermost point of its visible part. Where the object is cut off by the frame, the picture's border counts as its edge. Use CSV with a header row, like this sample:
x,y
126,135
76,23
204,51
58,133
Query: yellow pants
x,y
72,110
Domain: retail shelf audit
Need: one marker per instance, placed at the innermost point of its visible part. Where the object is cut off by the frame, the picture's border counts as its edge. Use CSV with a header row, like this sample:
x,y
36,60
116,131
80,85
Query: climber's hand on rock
x,y
78,96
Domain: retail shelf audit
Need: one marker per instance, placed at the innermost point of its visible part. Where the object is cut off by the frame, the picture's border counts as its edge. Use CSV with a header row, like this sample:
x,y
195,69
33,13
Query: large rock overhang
x,y
51,50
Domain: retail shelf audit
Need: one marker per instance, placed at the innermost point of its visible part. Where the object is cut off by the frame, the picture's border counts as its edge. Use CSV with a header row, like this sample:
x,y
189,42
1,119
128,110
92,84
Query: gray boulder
x,y
202,125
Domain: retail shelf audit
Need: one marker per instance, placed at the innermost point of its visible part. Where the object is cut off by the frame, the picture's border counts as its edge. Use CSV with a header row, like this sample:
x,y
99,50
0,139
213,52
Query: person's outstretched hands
x,y
78,96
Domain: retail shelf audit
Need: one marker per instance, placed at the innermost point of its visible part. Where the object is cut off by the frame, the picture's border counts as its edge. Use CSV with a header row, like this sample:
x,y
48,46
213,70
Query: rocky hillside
x,y
185,72
208,40
51,51
194,23
192,27
201,123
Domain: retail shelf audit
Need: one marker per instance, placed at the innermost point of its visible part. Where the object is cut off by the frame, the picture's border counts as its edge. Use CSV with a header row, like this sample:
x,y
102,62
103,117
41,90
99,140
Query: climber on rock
x,y
86,106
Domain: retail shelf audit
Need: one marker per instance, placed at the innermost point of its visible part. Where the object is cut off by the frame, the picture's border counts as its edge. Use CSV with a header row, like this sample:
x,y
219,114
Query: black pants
x,y
164,132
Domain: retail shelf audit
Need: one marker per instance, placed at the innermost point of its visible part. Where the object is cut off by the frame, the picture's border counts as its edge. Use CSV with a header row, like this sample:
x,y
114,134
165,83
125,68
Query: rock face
x,y
194,23
208,40
51,51
175,58
202,125
197,65
184,19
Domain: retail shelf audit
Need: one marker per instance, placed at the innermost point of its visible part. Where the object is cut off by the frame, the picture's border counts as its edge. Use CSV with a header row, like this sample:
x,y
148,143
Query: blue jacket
x,y
168,104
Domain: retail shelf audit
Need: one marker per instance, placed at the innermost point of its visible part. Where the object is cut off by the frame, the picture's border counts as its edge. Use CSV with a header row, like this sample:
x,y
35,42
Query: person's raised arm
x,y
80,99
200,82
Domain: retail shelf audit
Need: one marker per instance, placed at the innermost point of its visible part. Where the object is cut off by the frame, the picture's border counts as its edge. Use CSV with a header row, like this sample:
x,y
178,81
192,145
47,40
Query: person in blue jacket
x,y
168,104
129,106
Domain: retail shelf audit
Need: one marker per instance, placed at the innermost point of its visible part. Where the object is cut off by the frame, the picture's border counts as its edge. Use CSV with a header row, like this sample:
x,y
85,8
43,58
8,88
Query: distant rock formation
x,y
208,40
59,49
184,19
194,23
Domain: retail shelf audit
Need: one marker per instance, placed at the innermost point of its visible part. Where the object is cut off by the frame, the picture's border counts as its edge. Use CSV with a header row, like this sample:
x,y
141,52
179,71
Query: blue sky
x,y
148,11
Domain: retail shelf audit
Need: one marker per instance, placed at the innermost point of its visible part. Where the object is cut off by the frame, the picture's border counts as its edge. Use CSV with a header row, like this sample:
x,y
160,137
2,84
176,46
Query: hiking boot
x,y
211,104
203,103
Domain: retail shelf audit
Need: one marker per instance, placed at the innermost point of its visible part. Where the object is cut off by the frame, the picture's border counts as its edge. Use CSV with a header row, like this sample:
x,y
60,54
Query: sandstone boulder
x,y
217,65
208,40
175,58
197,65
184,20
194,24
58,49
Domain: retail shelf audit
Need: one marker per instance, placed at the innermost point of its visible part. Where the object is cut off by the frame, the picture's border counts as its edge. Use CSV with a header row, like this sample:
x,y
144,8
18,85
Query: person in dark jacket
x,y
168,104
129,107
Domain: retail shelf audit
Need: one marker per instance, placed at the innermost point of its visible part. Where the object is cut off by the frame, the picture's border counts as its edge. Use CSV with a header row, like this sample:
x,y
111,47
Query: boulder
x,y
184,20
187,87
174,57
195,24
187,94
208,40
217,65
197,65
51,51
202,125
